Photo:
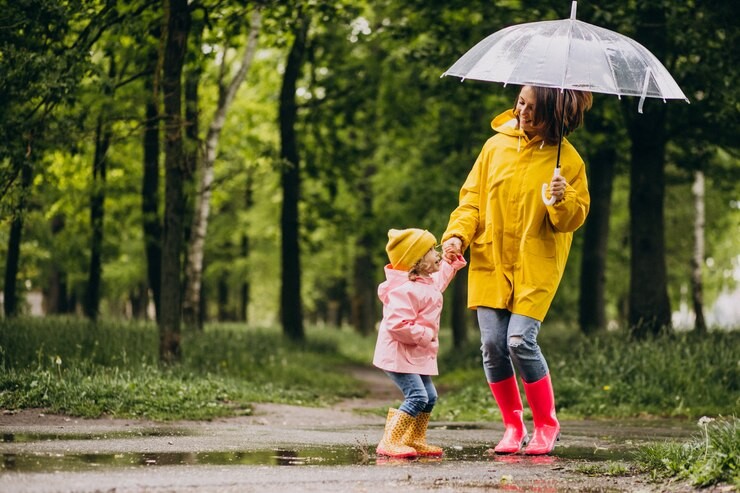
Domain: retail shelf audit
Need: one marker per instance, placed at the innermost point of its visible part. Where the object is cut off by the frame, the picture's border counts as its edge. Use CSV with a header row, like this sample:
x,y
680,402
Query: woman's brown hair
x,y
548,108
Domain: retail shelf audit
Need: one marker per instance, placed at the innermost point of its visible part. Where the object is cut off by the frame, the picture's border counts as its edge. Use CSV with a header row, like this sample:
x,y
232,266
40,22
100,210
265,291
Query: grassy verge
x,y
711,458
609,375
73,367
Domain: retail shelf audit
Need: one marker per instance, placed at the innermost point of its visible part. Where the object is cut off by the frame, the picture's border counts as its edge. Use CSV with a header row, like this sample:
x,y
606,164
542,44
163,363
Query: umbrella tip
x,y
573,7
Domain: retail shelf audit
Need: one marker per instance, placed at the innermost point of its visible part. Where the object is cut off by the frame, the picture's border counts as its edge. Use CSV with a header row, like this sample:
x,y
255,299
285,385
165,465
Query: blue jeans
x,y
418,391
508,338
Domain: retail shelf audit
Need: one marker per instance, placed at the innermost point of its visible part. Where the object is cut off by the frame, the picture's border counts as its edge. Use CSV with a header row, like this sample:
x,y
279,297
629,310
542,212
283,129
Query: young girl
x,y
408,343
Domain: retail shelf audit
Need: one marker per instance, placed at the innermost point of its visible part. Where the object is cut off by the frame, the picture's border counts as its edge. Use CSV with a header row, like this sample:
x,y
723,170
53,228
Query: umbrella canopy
x,y
568,54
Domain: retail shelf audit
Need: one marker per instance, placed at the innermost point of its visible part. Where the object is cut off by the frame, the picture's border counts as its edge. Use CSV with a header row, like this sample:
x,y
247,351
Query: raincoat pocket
x,y
542,247
482,251
417,355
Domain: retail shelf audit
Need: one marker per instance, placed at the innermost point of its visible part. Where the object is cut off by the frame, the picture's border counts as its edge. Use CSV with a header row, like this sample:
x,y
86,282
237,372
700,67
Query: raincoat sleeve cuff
x,y
426,337
459,263
447,271
568,214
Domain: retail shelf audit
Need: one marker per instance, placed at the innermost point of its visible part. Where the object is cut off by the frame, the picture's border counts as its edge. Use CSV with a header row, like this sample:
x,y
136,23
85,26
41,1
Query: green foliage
x,y
710,458
611,468
610,375
384,142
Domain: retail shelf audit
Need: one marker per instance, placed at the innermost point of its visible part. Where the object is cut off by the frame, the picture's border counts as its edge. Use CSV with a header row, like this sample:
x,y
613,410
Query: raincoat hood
x,y
506,123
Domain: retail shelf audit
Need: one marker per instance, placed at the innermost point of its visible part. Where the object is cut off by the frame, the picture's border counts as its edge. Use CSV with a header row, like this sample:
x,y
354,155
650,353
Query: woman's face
x,y
525,106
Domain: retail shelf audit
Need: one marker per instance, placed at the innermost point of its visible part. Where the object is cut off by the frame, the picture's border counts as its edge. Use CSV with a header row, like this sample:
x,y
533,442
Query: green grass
x,y
711,458
609,375
72,366
81,369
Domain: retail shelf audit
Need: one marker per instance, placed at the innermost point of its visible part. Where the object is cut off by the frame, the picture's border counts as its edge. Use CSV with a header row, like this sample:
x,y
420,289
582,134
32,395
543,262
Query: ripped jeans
x,y
508,338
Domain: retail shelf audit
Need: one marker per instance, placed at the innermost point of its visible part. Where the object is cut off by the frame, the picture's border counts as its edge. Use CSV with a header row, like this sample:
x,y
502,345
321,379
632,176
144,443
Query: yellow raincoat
x,y
518,245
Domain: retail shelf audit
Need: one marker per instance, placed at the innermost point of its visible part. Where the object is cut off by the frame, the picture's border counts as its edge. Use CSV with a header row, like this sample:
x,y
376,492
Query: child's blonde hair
x,y
421,268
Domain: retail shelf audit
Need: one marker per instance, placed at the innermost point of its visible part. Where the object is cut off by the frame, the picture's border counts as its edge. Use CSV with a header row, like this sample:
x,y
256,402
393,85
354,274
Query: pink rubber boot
x,y
546,427
506,393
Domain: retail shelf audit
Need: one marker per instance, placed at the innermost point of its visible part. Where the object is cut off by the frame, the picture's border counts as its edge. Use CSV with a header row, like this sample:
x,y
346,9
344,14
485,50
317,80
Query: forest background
x,y
225,160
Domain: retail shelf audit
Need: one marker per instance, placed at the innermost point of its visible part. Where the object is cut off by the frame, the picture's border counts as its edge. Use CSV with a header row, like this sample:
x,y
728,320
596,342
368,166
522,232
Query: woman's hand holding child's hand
x,y
452,248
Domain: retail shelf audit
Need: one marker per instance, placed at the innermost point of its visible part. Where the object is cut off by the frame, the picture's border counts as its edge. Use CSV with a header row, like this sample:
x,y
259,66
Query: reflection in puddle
x,y
328,456
46,437
76,462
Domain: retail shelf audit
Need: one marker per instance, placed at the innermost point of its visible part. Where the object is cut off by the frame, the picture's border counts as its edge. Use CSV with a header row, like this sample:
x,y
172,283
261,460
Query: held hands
x,y
452,248
557,187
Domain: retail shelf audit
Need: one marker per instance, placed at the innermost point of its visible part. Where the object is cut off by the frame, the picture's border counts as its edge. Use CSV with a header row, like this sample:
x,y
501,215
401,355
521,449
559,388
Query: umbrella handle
x,y
551,200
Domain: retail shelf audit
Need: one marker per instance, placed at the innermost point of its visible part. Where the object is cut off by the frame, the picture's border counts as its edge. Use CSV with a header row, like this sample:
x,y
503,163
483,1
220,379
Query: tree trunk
x,y
592,305
150,189
697,261
12,261
291,309
194,271
649,306
56,294
177,17
365,289
364,298
193,153
460,311
245,287
103,137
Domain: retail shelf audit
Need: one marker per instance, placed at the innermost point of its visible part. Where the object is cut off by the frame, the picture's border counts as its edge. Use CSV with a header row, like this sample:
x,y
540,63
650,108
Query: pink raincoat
x,y
408,335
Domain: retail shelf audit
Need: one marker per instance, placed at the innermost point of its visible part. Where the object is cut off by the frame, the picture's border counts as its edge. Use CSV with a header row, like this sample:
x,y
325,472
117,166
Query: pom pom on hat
x,y
407,246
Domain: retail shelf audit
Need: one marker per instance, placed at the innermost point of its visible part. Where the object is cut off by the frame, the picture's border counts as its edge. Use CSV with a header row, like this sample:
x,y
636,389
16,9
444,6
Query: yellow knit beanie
x,y
407,246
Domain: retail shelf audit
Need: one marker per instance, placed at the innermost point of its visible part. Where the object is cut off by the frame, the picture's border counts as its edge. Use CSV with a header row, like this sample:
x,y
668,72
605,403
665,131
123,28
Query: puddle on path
x,y
47,437
313,456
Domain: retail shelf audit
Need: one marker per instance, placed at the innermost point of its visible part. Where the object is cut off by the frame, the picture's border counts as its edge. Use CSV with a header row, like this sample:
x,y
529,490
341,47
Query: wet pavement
x,y
299,449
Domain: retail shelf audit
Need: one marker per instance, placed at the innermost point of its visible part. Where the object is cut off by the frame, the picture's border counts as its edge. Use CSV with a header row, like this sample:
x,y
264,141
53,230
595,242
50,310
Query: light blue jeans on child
x,y
418,392
508,338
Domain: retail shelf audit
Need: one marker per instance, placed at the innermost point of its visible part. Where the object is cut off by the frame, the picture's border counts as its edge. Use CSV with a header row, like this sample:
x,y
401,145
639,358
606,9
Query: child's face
x,y
431,261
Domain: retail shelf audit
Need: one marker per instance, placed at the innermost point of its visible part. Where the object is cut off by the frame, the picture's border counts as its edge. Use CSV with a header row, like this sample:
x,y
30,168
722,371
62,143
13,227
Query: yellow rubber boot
x,y
416,437
396,425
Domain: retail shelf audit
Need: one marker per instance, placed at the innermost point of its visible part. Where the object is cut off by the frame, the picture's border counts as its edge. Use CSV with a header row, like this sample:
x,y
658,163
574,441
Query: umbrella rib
x,y
587,27
567,55
516,65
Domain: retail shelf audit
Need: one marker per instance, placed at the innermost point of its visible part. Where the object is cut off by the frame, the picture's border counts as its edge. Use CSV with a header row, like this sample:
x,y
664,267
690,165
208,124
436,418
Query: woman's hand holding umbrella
x,y
557,188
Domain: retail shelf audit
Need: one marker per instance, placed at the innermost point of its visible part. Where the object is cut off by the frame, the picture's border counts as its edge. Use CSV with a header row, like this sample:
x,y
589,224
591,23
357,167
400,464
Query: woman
x,y
518,250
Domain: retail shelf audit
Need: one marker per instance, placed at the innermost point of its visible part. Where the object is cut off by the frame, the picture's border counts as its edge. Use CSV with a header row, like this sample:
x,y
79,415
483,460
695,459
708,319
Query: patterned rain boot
x,y
506,393
416,437
391,444
546,427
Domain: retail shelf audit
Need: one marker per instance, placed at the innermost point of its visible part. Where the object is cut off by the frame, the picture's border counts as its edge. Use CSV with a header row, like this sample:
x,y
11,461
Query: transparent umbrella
x,y
568,54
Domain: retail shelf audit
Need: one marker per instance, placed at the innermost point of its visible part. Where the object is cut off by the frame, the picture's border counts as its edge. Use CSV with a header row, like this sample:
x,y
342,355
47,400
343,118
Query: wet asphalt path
x,y
298,449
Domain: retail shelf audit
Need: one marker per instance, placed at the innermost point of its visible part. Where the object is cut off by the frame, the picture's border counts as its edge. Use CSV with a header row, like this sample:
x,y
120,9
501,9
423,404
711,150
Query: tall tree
x,y
697,259
177,19
602,158
196,248
14,239
649,306
151,223
291,307
103,136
